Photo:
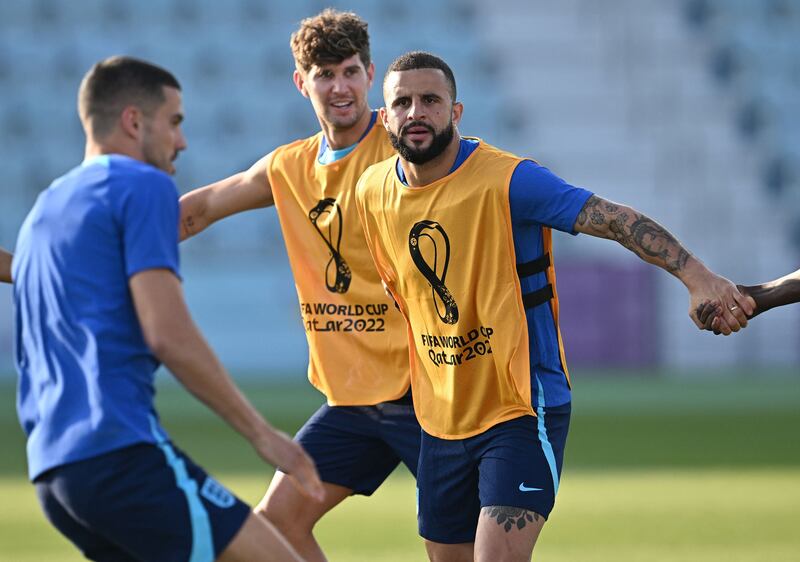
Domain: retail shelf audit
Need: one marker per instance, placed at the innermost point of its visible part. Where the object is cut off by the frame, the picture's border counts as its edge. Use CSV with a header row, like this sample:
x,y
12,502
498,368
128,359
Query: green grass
x,y
657,469
621,515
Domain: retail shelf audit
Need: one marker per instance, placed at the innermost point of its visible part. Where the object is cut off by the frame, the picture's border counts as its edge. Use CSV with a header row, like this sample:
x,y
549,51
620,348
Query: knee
x,y
287,523
291,519
439,552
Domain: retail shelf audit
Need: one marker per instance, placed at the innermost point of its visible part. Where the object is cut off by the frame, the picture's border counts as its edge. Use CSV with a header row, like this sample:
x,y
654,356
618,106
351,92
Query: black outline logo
x,y
343,275
419,230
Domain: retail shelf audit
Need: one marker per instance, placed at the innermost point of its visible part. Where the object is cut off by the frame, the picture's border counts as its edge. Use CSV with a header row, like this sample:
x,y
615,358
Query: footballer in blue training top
x,y
98,307
86,373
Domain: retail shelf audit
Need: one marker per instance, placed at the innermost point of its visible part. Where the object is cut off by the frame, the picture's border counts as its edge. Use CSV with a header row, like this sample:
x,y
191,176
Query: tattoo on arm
x,y
637,232
511,517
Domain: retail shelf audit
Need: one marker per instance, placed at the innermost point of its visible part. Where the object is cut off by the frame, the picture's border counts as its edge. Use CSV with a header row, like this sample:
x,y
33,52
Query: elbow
x,y
189,226
162,343
192,219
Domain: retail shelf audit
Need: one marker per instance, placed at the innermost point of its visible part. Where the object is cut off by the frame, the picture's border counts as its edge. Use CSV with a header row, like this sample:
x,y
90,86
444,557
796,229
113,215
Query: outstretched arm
x,y
174,338
656,245
244,191
779,292
5,266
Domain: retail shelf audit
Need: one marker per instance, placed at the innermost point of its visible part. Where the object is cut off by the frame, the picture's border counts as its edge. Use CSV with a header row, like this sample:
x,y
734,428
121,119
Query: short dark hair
x,y
117,82
329,38
416,60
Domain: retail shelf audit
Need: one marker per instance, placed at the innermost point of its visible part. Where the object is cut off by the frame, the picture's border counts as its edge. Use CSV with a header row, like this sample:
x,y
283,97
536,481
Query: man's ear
x,y
458,110
300,82
384,117
131,121
371,74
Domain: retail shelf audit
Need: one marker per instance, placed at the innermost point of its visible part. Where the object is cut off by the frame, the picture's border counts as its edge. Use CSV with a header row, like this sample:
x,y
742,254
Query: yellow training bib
x,y
446,251
358,353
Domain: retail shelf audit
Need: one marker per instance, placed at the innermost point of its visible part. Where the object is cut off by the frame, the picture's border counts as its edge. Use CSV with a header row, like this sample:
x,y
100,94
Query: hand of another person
x,y
289,457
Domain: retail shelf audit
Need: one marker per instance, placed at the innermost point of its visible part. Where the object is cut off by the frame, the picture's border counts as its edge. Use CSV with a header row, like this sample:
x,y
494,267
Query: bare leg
x,y
440,552
506,534
259,541
295,515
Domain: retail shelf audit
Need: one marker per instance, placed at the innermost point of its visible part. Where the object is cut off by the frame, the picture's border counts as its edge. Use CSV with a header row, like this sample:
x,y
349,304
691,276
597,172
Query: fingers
x,y
709,314
737,308
724,325
304,473
745,302
752,302
706,312
735,315
290,457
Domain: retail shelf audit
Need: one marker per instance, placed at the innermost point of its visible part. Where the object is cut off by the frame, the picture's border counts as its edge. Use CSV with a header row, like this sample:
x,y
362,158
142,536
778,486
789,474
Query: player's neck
x,y
419,175
342,138
111,145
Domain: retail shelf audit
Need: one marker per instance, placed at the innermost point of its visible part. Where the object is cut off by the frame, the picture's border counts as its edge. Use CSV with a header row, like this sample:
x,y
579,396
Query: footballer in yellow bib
x,y
358,350
455,277
460,232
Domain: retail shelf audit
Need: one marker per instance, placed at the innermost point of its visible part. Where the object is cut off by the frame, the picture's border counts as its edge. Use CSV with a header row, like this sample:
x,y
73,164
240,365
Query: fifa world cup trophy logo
x,y
435,239
326,216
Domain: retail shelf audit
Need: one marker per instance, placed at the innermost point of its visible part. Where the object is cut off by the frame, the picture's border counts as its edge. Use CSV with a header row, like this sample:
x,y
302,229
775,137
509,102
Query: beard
x,y
159,158
160,161
425,155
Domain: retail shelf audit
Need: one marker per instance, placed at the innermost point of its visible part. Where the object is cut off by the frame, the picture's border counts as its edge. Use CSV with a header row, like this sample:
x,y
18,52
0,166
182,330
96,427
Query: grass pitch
x,y
657,469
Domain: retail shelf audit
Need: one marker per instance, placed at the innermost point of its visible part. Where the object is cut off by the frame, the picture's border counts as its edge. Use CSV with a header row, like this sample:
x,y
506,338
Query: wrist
x,y
263,434
694,274
763,295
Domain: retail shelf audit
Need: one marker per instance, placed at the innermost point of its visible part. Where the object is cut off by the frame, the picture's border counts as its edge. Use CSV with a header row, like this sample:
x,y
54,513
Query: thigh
x,y
259,541
290,510
401,431
520,464
153,502
347,447
506,533
447,491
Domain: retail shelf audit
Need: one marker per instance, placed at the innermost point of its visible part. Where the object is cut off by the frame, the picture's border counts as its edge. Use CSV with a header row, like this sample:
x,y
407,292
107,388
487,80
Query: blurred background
x,y
688,110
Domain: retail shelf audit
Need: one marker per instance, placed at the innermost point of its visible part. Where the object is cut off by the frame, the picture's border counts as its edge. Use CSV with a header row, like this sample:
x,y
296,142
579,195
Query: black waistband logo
x,y
326,216
428,230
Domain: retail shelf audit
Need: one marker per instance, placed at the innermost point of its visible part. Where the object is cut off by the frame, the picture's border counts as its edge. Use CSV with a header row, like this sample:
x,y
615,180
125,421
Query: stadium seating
x,y
685,109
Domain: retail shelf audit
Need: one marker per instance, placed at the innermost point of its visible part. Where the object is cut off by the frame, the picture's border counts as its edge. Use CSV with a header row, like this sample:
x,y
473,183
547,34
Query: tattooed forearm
x,y
637,232
511,517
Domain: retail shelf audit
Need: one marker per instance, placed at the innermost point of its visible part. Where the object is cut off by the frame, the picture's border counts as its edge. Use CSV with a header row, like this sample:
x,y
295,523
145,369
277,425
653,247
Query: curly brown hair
x,y
328,38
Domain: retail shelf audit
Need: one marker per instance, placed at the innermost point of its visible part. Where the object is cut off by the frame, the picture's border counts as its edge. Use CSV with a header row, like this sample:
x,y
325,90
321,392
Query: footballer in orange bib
x,y
358,350
358,354
460,233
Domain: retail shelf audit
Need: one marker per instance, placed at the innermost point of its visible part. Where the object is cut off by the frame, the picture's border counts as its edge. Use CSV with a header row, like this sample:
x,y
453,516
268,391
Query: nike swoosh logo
x,y
524,488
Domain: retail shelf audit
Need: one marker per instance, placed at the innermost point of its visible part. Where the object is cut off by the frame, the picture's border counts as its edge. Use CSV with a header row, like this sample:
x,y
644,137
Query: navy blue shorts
x,y
515,463
358,447
144,502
